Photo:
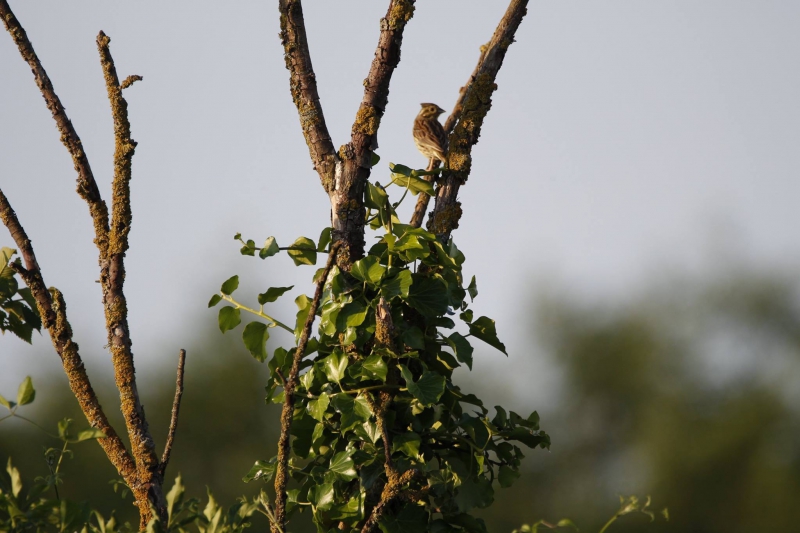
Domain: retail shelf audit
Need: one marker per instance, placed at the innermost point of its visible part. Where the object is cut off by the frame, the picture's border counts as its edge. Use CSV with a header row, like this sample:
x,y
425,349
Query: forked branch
x,y
173,423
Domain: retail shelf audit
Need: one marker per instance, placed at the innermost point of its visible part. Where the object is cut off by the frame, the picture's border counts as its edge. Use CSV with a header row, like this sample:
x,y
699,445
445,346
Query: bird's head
x,y
430,111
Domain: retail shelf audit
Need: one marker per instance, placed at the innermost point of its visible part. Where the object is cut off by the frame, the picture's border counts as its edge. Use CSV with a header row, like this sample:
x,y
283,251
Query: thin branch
x,y
173,423
130,80
53,311
87,187
303,86
112,278
281,475
474,104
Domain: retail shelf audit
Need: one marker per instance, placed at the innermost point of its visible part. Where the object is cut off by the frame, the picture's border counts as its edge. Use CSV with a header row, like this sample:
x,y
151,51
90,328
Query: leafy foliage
x,y
445,442
18,312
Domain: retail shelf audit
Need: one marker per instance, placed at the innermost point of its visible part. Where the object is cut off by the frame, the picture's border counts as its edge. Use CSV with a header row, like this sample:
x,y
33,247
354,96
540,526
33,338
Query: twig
x,y
281,476
53,311
303,86
474,104
87,187
130,80
173,423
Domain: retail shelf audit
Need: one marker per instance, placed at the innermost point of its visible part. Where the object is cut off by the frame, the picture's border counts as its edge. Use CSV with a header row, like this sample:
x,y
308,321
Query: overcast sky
x,y
626,139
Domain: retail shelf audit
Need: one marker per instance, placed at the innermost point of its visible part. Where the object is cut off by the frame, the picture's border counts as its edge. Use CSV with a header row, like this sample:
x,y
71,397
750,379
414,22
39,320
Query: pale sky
x,y
626,139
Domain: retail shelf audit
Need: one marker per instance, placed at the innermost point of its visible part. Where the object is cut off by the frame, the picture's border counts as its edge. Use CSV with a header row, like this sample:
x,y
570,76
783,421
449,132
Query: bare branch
x,y
130,80
303,86
173,423
281,474
53,311
87,187
474,104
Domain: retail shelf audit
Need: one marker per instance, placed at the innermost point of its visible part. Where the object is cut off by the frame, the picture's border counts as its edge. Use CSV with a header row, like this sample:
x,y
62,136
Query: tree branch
x,y
53,311
303,86
112,278
474,104
281,475
173,423
87,187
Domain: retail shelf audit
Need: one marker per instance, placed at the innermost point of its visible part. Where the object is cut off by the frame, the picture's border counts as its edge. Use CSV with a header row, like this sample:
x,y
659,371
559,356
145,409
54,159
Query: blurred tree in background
x,y
687,394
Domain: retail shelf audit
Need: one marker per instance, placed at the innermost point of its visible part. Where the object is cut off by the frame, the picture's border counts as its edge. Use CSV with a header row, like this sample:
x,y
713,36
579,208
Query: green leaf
x,y
410,519
343,466
228,318
407,443
8,405
472,289
63,429
507,476
324,239
249,248
321,496
353,410
461,347
230,285
26,392
484,329
397,285
335,365
272,294
375,197
87,434
261,470
373,159
374,367
351,315
16,479
428,389
474,493
414,184
255,337
428,296
214,300
269,248
414,338
368,270
305,256
400,169
316,408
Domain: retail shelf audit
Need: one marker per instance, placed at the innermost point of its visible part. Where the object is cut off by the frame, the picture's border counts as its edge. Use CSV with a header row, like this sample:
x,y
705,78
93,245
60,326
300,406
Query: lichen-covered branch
x,y
87,187
303,86
352,172
281,470
53,311
176,407
475,102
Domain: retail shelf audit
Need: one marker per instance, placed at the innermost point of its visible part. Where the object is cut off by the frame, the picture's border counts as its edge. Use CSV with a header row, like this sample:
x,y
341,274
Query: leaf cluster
x,y
454,450
18,312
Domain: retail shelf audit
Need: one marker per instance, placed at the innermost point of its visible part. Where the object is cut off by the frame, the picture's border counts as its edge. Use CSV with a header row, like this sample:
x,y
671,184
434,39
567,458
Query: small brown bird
x,y
429,134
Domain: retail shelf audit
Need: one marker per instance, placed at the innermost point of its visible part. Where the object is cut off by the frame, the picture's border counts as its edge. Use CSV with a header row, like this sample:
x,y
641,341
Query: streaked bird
x,y
429,134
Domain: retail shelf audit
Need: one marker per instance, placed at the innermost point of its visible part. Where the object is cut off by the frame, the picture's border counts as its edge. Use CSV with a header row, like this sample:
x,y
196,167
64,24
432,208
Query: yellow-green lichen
x,y
401,12
445,220
367,121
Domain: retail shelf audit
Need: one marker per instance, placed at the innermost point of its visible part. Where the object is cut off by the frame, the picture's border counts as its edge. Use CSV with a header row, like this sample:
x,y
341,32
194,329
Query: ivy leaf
x,y
410,519
214,300
272,294
428,296
374,367
428,389
507,476
261,470
230,285
324,239
249,248
375,197
484,329
472,289
414,184
321,496
255,336
397,285
335,365
414,338
368,270
461,347
303,303
316,408
474,493
307,255
8,405
402,170
351,315
228,318
91,433
407,443
269,248
343,466
26,392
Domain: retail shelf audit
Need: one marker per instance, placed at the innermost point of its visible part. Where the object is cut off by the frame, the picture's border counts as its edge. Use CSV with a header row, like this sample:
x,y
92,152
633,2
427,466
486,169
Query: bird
x,y
429,135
